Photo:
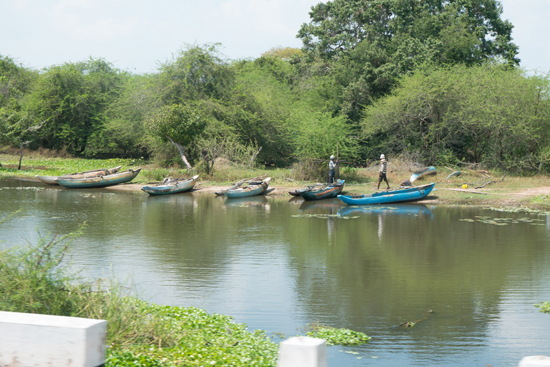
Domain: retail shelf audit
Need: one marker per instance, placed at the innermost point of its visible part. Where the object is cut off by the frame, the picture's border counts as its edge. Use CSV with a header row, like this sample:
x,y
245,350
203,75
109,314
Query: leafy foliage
x,y
426,78
481,114
367,45
544,307
33,281
337,336
182,123
460,30
196,73
72,99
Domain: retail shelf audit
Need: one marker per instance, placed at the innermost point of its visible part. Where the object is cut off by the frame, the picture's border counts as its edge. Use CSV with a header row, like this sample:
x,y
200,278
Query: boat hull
x,y
102,181
328,192
182,186
395,196
52,180
246,192
427,171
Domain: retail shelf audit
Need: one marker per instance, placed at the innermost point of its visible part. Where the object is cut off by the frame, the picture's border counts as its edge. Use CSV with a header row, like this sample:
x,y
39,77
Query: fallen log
x,y
489,182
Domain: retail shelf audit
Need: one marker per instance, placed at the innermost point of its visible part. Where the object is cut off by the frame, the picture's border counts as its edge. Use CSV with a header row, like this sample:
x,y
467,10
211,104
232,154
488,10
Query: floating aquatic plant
x,y
513,209
503,221
544,307
336,336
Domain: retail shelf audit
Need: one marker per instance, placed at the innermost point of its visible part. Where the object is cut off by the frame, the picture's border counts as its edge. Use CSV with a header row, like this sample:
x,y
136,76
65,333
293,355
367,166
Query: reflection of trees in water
x,y
418,263
356,279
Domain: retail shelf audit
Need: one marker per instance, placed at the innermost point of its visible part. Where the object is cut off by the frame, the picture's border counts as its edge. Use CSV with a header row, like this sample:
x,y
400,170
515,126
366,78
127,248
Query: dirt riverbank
x,y
442,194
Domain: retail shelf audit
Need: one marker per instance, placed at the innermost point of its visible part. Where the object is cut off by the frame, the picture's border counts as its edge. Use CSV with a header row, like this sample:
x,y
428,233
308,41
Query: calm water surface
x,y
268,264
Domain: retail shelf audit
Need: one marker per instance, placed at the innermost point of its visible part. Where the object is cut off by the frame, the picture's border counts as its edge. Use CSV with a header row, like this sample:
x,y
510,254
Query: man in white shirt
x,y
383,171
331,169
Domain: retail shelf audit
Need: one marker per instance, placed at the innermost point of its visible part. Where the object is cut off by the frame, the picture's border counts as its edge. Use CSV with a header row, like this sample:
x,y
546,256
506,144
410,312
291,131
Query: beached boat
x,y
101,181
426,171
250,181
328,192
51,180
454,174
296,192
250,190
171,186
392,196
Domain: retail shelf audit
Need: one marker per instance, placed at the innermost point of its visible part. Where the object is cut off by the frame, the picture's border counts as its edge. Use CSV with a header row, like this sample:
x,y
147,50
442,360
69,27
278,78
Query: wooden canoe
x,y
454,174
101,181
173,187
328,192
51,180
307,188
392,196
251,190
426,171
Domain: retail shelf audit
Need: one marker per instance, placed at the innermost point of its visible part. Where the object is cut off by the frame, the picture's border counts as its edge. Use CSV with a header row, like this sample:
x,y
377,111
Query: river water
x,y
277,265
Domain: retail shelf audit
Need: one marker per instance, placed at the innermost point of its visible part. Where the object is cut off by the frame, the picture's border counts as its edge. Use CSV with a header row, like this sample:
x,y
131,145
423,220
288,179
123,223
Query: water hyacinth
x,y
503,221
337,336
543,307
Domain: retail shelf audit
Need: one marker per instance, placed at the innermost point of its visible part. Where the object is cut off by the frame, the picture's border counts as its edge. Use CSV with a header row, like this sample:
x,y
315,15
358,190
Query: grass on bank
x,y
358,180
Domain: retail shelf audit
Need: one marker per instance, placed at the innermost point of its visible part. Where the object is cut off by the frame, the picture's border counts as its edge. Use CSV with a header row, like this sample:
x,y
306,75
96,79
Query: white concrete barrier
x,y
32,340
302,351
535,361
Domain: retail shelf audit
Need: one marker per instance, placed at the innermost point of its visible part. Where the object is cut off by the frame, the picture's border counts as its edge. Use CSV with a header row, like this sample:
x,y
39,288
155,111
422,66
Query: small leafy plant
x,y
337,336
544,307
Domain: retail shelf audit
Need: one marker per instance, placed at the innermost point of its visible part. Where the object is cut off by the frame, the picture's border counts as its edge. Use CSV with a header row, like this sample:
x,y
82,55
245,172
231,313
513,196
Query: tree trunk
x,y
20,158
181,150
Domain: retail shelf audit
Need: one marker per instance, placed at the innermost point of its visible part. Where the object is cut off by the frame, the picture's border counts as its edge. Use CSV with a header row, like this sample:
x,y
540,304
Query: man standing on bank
x,y
383,170
331,169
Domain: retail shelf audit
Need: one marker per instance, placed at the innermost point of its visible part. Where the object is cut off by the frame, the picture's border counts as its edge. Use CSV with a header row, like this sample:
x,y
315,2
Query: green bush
x,y
337,336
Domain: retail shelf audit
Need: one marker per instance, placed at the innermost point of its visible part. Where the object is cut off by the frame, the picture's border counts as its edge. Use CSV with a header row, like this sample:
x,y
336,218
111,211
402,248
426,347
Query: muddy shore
x,y
442,194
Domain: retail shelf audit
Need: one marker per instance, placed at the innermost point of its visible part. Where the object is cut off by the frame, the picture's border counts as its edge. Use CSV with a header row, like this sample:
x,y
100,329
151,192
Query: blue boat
x,y
393,196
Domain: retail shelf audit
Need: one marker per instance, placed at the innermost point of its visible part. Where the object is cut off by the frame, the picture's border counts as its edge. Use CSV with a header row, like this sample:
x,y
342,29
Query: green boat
x,y
51,180
102,181
172,187
251,190
328,192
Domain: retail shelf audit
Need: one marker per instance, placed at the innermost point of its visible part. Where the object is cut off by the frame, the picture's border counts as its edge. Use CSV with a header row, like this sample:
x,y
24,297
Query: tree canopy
x,y
469,31
434,79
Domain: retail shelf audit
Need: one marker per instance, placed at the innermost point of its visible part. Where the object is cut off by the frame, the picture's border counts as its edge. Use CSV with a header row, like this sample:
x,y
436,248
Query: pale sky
x,y
135,35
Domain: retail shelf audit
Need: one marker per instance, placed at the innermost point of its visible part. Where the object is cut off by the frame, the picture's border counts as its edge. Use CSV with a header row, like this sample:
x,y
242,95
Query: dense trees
x,y
368,45
437,80
477,114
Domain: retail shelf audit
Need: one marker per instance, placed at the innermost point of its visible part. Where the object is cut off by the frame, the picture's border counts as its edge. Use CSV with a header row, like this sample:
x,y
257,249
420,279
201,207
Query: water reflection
x,y
328,204
257,201
395,209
